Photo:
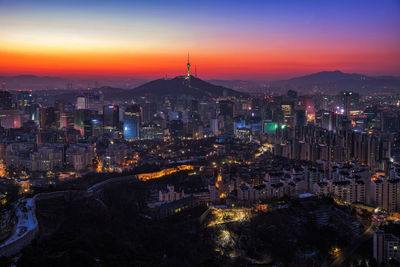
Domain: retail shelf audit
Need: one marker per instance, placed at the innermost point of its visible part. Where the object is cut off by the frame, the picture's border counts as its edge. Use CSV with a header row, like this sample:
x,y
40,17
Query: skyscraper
x,y
132,122
111,117
81,102
49,118
346,103
5,100
226,108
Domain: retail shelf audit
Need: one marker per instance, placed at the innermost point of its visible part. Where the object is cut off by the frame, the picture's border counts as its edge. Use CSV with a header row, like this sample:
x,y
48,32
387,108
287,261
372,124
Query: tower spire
x,y
188,66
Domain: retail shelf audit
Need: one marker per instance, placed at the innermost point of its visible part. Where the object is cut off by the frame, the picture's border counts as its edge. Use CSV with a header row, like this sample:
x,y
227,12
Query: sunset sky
x,y
249,39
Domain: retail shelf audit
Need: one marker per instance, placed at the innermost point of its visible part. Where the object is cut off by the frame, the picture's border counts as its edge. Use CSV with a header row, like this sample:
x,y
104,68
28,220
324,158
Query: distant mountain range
x,y
32,82
325,81
333,81
329,82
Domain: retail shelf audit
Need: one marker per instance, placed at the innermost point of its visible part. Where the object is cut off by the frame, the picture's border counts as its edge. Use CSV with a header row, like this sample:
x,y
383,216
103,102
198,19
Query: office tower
x,y
149,109
10,118
300,117
195,106
350,101
5,100
93,127
203,110
176,129
23,101
80,116
307,103
132,122
66,120
214,126
81,102
152,132
386,246
111,117
49,118
226,108
256,108
325,119
346,103
287,109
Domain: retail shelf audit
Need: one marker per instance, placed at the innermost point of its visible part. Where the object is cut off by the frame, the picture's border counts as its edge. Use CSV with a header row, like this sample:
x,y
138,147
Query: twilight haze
x,y
226,40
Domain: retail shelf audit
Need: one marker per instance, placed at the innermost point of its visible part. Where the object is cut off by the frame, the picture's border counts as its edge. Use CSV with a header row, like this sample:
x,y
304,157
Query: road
x,y
354,246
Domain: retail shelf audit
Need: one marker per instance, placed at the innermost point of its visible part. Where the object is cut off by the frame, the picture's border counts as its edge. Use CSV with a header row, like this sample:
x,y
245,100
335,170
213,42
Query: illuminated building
x,y
81,102
24,101
5,100
2,168
346,103
325,119
79,156
111,117
386,246
287,113
49,118
170,194
243,134
66,120
149,109
176,129
10,118
214,126
269,127
80,116
307,104
350,101
226,109
300,117
132,122
152,132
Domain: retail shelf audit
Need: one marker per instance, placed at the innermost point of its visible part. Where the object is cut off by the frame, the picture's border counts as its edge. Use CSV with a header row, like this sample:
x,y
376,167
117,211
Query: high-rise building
x,y
66,120
350,102
176,129
386,246
111,117
287,109
300,117
5,100
132,122
49,118
149,109
346,103
81,102
23,101
10,118
80,116
226,108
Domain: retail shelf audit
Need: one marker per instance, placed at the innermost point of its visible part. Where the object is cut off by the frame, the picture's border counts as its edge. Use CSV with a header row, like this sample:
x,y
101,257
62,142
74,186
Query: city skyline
x,y
260,40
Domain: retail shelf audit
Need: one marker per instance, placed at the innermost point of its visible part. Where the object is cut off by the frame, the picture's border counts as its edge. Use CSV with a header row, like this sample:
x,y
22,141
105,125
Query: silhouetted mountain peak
x,y
182,85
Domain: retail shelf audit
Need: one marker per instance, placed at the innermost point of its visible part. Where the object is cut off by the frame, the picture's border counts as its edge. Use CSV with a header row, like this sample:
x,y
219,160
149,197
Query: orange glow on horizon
x,y
158,64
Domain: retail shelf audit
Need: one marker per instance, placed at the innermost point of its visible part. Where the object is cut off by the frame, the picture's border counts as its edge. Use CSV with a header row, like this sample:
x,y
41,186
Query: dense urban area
x,y
181,172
